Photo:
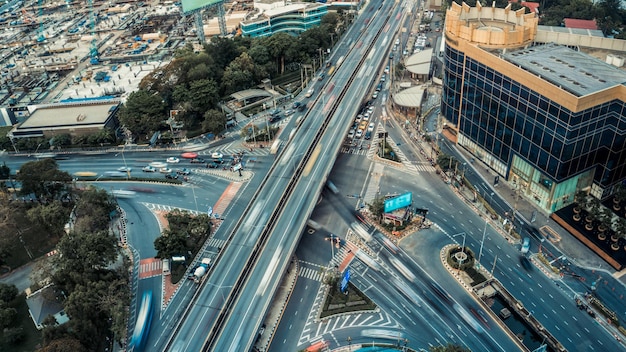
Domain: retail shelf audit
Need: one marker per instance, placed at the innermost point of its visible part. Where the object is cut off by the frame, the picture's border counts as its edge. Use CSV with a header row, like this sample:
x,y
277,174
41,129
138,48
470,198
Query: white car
x,y
158,164
148,169
165,170
370,109
358,118
359,134
387,68
172,160
351,134
370,128
124,169
366,116
375,95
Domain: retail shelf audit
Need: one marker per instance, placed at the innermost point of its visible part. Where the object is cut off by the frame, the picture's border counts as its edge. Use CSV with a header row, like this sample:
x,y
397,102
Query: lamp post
x,y
463,245
482,242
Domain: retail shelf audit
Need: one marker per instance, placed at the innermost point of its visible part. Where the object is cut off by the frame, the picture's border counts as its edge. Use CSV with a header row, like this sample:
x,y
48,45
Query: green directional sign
x,y
401,201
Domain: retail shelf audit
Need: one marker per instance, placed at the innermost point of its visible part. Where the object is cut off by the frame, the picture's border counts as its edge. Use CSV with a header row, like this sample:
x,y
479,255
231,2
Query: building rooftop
x,y
582,24
50,116
574,71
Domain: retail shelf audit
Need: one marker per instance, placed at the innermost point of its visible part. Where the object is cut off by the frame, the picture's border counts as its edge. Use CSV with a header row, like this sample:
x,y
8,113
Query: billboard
x,y
344,282
401,201
194,5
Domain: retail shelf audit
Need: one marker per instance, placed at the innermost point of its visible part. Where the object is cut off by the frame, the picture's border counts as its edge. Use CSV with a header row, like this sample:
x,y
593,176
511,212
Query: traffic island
x,y
337,302
500,304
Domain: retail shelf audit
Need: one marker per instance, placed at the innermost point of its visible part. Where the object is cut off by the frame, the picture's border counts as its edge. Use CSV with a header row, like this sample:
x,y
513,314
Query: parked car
x,y
197,161
149,169
183,171
171,176
172,160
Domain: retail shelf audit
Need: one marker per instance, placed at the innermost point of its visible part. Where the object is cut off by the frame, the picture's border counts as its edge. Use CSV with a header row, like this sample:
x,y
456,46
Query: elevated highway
x,y
229,307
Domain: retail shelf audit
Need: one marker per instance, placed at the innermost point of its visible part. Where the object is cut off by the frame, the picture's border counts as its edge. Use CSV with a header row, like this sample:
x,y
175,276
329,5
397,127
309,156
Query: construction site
x,y
56,51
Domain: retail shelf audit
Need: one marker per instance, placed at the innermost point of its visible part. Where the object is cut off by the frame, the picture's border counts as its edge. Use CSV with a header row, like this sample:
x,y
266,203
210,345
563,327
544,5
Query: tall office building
x,y
547,118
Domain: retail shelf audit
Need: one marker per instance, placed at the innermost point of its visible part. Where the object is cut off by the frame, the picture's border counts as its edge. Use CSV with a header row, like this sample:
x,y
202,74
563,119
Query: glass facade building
x,y
293,20
549,119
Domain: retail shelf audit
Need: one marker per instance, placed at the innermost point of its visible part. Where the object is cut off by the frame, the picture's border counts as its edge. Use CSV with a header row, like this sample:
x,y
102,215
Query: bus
x,y
331,71
142,326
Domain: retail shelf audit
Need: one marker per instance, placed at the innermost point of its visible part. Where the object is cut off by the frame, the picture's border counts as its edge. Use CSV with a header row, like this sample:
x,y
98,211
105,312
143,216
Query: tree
x,y
143,112
239,75
203,95
7,292
66,344
83,257
377,207
7,317
43,179
52,216
214,121
449,348
14,335
170,243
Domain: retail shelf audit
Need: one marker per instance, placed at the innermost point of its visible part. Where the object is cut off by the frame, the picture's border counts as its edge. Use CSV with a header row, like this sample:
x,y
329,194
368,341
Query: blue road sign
x,y
346,279
401,201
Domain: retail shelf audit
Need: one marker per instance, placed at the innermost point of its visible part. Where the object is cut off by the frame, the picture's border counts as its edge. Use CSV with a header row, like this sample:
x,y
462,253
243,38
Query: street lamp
x,y
480,252
463,245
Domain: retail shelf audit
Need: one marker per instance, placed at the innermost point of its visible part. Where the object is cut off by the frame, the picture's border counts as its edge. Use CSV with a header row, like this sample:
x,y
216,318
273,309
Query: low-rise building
x,y
75,118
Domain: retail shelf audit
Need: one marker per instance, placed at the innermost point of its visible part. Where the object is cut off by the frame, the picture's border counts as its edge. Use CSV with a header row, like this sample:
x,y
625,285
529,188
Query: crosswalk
x,y
168,208
312,274
354,150
234,148
216,243
150,267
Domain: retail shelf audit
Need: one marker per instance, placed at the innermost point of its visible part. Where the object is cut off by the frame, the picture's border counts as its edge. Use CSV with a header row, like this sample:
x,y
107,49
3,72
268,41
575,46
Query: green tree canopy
x,y
43,179
143,112
53,216
8,292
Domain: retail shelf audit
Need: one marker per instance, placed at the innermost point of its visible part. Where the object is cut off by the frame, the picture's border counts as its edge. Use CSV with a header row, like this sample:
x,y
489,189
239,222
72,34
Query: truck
x,y
200,270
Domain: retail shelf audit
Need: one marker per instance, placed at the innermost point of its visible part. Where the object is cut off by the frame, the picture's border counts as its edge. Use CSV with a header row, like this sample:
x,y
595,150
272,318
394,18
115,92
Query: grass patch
x,y
31,337
476,276
388,152
547,263
336,302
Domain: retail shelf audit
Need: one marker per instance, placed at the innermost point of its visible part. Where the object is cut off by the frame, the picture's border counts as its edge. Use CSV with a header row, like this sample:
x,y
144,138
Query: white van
x,y
166,266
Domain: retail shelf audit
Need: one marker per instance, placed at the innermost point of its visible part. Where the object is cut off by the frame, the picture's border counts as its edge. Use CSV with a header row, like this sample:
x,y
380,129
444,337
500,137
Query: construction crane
x,y
93,48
